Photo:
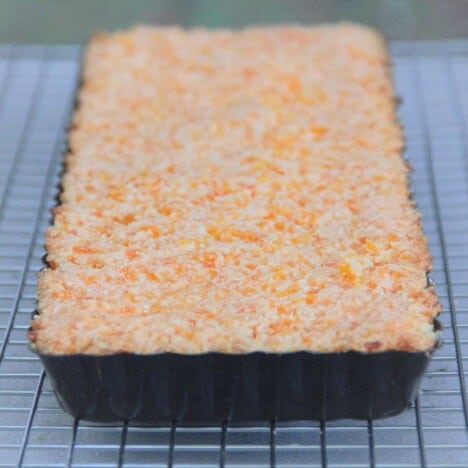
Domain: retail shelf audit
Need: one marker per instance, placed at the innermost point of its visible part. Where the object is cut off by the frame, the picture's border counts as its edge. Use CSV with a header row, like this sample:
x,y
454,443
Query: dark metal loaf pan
x,y
215,387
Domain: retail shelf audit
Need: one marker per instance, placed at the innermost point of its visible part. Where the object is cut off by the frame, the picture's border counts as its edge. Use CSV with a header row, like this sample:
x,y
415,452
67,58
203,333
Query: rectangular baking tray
x,y
216,387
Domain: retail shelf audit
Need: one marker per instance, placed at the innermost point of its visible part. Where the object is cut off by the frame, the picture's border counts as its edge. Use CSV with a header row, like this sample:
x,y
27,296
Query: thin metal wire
x,y
29,421
71,450
323,443
418,86
273,444
222,445
422,449
172,435
371,441
123,443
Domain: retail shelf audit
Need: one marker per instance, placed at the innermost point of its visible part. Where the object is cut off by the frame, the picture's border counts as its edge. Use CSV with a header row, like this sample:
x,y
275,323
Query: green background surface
x,y
71,21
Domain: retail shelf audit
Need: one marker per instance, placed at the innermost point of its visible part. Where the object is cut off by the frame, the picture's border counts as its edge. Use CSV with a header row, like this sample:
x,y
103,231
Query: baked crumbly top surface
x,y
235,191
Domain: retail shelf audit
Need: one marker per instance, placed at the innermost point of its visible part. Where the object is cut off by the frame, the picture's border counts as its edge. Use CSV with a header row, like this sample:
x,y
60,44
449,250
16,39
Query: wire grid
x,y
36,88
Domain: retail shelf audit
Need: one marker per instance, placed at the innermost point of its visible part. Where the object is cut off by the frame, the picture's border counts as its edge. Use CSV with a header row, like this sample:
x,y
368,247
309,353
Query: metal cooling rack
x,y
36,86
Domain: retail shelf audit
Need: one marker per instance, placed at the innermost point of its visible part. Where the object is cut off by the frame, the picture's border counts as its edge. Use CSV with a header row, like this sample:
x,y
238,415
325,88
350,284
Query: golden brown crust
x,y
235,191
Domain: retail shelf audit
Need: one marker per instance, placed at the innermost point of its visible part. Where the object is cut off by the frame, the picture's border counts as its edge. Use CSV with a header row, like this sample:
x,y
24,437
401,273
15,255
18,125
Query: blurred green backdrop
x,y
71,21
